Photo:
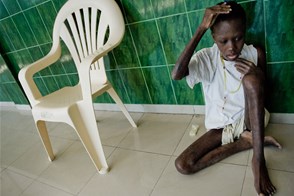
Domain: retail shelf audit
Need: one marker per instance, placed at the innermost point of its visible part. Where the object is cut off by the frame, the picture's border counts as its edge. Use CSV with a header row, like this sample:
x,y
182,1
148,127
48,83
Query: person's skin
x,y
207,150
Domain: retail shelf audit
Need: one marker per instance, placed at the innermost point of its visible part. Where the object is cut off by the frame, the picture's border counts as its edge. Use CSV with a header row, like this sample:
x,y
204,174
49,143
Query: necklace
x,y
225,78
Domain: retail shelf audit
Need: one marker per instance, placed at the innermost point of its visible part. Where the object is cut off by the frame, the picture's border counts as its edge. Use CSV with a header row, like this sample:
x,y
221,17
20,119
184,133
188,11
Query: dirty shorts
x,y
233,131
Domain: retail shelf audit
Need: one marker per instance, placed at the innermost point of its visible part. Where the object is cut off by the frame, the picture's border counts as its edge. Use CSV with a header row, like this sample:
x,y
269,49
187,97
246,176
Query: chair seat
x,y
60,99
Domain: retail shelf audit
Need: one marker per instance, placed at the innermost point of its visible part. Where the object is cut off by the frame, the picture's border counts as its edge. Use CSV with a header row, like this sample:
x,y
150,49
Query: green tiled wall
x,y
156,33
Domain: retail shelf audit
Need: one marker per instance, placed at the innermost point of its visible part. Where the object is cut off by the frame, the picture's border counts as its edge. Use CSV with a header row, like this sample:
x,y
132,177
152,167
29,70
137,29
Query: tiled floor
x,y
141,160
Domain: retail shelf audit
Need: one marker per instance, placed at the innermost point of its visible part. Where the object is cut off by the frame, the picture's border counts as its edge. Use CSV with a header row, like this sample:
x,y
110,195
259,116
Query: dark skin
x,y
207,150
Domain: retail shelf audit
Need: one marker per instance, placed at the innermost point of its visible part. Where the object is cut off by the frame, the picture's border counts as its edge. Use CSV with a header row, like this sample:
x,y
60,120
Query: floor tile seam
x,y
143,151
54,187
274,169
244,180
132,129
23,154
11,168
55,158
186,129
21,174
88,181
164,169
280,170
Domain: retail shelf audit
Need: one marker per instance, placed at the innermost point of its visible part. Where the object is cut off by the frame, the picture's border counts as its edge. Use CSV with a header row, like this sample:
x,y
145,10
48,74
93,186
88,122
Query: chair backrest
x,y
87,25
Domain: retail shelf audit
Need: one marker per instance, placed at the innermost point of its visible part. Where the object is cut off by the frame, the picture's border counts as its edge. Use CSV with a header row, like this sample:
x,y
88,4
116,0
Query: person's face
x,y
229,37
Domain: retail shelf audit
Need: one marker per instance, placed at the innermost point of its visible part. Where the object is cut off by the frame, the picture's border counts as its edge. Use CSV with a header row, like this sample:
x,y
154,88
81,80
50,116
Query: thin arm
x,y
181,67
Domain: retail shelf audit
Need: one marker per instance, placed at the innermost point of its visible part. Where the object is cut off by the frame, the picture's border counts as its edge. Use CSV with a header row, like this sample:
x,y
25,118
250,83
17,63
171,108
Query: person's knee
x,y
253,82
183,166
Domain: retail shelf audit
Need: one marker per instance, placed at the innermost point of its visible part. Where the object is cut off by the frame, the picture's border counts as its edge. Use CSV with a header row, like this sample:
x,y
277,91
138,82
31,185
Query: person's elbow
x,y
178,74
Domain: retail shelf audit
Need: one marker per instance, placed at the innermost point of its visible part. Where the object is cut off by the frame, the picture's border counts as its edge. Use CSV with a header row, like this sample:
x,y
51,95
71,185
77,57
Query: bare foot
x,y
268,140
262,182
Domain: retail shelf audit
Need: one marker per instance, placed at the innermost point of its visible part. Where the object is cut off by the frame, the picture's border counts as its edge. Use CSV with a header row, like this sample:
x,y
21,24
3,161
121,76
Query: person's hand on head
x,y
211,14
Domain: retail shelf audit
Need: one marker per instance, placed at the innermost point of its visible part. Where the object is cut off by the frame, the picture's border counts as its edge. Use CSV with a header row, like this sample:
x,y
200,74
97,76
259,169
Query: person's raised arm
x,y
181,67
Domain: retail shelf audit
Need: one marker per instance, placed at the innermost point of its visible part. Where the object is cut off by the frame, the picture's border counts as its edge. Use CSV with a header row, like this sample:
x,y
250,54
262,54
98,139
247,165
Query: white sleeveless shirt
x,y
222,88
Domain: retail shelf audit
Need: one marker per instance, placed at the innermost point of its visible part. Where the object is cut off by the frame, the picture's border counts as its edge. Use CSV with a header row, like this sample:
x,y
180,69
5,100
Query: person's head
x,y
228,31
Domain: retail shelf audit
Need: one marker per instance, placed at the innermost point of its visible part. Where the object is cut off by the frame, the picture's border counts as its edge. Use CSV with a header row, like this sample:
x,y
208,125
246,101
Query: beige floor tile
x,y
114,126
13,184
40,189
132,173
71,171
15,143
62,130
34,161
157,133
283,182
219,179
280,159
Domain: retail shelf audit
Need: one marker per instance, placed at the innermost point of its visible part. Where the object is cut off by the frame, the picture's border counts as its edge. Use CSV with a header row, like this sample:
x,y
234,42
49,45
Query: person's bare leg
x,y
217,154
186,162
254,95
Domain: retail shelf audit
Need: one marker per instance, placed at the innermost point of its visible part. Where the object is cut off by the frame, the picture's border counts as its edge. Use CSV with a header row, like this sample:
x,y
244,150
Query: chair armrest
x,y
84,69
25,75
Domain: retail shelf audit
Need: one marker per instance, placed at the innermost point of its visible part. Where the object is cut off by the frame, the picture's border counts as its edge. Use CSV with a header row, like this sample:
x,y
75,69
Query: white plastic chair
x,y
90,29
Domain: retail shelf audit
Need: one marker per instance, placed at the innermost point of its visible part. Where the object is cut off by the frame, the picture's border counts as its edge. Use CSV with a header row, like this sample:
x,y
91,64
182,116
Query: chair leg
x,y
41,126
120,104
85,125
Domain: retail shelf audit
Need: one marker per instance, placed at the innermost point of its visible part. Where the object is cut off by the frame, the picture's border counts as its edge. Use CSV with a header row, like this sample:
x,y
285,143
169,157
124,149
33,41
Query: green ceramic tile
x,y
6,43
135,86
5,74
11,6
74,79
7,25
147,42
25,4
4,93
195,19
159,85
174,39
104,98
19,59
66,60
255,22
109,61
57,68
185,95
125,53
196,5
37,26
168,7
50,83
62,81
137,10
35,53
115,79
58,3
3,11
45,48
15,93
279,30
41,86
281,85
24,30
48,15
